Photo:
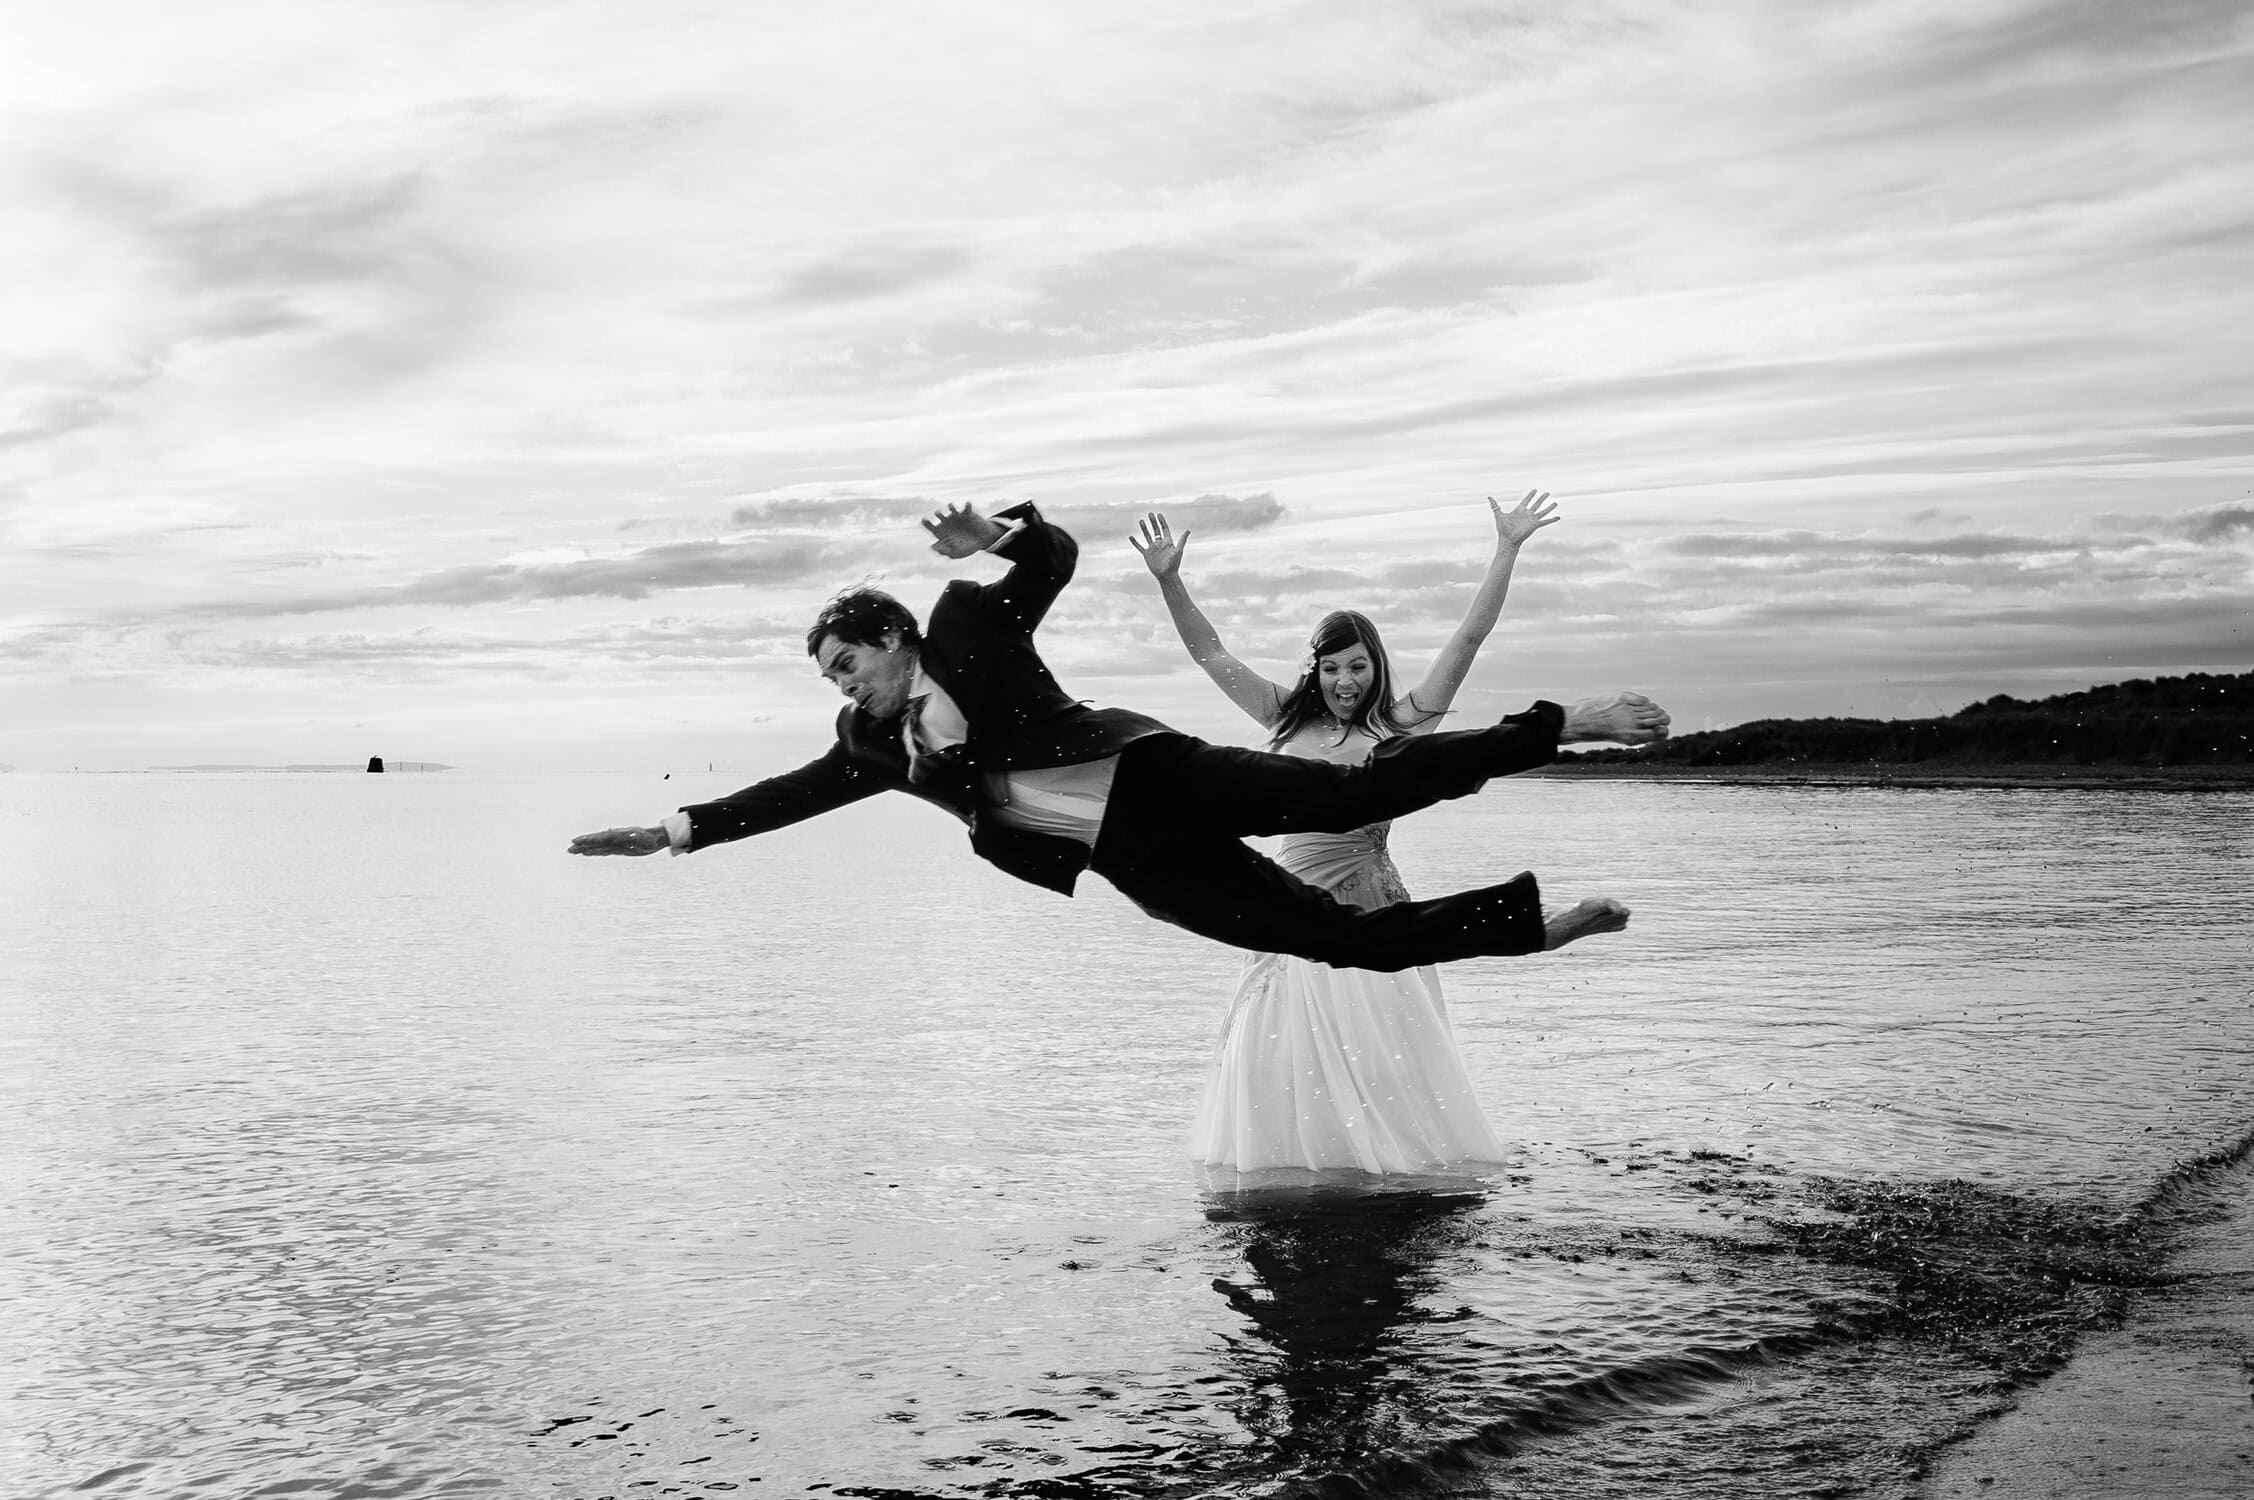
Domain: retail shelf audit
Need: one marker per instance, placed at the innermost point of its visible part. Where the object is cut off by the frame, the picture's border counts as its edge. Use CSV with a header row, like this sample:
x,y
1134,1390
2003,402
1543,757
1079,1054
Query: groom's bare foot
x,y
1615,718
1595,915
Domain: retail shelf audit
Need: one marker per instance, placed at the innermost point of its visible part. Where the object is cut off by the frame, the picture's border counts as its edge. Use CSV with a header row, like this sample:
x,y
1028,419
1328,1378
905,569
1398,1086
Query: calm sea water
x,y
358,1142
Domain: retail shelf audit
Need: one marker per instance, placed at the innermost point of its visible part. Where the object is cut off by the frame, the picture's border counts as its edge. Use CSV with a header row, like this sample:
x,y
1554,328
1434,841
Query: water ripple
x,y
359,1143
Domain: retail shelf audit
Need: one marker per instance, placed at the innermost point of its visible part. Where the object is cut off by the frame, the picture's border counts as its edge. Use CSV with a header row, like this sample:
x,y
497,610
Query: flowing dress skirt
x,y
1323,1068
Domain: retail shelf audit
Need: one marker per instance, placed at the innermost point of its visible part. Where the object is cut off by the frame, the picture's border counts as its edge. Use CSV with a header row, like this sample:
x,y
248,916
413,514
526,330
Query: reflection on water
x,y
353,1140
1332,1282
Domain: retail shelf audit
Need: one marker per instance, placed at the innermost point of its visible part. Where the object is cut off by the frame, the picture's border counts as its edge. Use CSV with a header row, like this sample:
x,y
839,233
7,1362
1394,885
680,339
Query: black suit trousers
x,y
1180,809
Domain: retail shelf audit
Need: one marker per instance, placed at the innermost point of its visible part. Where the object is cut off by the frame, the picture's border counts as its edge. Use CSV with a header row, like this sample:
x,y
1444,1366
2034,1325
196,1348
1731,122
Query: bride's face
x,y
1346,678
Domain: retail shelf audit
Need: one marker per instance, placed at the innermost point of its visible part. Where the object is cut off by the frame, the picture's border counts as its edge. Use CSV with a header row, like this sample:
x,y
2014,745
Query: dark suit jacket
x,y
978,645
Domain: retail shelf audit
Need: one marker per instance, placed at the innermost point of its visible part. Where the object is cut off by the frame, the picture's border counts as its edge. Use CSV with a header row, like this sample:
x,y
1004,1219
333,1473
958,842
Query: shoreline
x,y
1920,775
2005,1346
2155,1406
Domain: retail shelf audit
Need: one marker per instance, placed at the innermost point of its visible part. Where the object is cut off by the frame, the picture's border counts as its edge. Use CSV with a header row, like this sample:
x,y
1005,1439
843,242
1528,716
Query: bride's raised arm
x,y
1247,689
1433,696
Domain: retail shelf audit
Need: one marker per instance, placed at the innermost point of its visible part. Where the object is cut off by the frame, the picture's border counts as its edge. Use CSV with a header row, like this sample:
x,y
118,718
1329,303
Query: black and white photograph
x,y
1244,750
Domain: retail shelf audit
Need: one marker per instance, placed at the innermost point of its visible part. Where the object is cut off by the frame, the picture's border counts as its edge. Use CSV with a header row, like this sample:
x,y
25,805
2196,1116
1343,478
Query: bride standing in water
x,y
1323,1068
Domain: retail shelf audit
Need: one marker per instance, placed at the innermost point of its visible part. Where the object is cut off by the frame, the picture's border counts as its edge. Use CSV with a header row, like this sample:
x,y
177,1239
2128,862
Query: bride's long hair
x,y
1376,715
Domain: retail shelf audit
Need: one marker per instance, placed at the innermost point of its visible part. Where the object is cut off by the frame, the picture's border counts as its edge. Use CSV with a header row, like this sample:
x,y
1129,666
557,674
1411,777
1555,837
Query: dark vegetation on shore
x,y
2199,720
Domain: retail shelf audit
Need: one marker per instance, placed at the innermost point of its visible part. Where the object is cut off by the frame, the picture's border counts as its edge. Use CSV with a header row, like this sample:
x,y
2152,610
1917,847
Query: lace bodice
x,y
1354,867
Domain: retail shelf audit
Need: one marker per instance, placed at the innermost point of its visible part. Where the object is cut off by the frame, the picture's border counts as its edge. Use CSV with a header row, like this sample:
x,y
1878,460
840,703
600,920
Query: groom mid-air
x,y
965,714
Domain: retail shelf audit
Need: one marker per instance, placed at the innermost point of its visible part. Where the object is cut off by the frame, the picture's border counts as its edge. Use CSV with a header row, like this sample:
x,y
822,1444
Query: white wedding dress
x,y
1325,1069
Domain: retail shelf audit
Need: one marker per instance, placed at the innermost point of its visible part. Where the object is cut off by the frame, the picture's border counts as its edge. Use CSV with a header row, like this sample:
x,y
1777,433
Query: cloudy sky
x,y
505,382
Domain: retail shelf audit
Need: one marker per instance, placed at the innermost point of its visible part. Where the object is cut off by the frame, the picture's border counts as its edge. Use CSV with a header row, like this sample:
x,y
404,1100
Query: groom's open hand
x,y
621,841
958,531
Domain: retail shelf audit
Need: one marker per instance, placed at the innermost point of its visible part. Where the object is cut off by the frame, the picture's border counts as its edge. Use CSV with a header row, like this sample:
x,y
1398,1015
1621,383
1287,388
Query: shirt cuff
x,y
1010,528
677,832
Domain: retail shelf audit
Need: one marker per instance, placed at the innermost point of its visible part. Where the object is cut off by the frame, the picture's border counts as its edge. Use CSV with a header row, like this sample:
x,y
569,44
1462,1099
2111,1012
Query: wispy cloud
x,y
1895,326
667,568
866,274
1199,513
2217,523
654,570
861,512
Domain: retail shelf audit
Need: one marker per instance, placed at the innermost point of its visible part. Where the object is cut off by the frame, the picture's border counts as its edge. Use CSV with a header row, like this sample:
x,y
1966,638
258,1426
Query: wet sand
x,y
2161,1406
2005,1345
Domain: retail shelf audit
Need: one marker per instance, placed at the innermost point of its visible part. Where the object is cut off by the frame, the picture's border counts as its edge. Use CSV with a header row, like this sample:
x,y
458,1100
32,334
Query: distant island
x,y
2197,728
357,766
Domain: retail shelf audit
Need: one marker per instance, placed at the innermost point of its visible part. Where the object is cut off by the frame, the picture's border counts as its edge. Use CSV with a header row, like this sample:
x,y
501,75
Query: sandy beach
x,y
2160,1407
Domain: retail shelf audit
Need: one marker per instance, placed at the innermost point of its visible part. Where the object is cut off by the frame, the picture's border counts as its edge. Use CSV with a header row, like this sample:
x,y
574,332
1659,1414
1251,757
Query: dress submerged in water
x,y
1325,1069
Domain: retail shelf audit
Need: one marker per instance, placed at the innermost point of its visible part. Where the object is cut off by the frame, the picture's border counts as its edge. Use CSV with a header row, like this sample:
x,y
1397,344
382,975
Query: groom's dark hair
x,y
860,617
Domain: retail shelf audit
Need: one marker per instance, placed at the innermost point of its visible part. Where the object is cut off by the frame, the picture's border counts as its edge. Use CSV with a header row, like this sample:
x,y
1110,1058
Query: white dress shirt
x,y
1067,801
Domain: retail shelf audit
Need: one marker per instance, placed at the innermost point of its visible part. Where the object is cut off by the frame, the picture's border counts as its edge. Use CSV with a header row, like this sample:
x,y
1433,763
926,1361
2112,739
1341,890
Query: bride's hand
x,y
1532,514
1161,549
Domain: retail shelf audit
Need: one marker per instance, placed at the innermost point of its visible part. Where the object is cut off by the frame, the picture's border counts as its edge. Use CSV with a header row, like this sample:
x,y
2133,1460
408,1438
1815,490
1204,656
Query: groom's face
x,y
876,678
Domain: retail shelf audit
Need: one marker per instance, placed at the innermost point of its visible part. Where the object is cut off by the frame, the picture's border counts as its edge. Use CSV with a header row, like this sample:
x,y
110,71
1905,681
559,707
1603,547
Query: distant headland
x,y
2196,730
360,766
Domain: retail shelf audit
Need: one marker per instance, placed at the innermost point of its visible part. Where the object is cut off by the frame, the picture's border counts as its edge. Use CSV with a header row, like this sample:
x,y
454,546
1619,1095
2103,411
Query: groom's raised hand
x,y
959,531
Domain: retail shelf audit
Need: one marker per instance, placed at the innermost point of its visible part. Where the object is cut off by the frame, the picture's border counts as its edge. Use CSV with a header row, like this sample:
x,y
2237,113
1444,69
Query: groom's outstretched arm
x,y
817,787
